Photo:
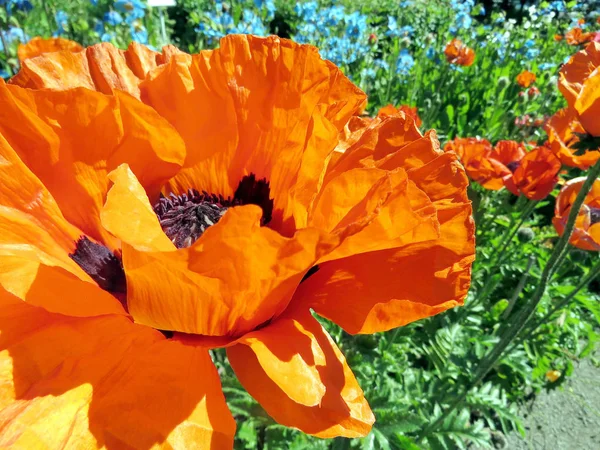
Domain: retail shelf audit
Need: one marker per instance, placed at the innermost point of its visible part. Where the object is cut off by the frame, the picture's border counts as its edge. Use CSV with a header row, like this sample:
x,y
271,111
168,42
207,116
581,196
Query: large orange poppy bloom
x,y
475,155
526,79
535,175
579,82
562,129
138,234
458,53
586,234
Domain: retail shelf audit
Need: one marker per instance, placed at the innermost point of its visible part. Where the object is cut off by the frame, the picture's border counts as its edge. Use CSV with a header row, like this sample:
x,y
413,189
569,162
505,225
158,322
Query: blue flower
x,y
463,20
134,9
62,22
405,62
267,5
113,18
430,53
139,32
4,74
307,10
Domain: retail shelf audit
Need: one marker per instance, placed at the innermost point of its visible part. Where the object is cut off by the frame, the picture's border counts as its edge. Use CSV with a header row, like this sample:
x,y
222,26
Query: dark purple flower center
x,y
184,218
102,265
594,215
513,165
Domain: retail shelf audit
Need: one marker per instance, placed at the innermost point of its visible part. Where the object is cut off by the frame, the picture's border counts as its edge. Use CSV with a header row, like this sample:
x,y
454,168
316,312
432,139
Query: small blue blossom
x,y
405,62
113,18
62,22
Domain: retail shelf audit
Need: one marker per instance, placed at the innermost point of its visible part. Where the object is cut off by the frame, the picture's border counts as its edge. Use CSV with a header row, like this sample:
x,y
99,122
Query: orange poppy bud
x,y
586,234
558,37
458,53
525,79
533,91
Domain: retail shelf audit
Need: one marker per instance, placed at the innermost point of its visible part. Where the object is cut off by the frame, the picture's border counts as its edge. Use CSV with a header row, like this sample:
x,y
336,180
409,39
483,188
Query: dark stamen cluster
x,y
102,265
513,165
594,215
184,218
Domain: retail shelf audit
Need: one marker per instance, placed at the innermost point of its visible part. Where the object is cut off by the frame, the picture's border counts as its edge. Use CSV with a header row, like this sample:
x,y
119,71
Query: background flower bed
x,y
394,50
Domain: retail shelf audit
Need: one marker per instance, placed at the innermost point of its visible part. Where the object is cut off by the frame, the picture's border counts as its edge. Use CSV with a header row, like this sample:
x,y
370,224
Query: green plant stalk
x,y
593,273
515,327
488,286
519,289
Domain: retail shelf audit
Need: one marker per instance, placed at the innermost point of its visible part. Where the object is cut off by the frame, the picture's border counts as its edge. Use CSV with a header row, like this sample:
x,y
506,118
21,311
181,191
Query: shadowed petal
x,y
343,410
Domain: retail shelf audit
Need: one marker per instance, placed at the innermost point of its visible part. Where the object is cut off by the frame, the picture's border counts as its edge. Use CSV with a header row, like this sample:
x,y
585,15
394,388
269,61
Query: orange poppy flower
x,y
391,110
576,36
475,155
526,78
562,129
38,45
535,175
110,290
586,234
458,53
579,83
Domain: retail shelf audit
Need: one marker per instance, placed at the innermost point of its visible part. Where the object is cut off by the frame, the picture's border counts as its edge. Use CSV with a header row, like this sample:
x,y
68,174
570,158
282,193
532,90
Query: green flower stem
x,y
500,255
518,290
520,319
533,326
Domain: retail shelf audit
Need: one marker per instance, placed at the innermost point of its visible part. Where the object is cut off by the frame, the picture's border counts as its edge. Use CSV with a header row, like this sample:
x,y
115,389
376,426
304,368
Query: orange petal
x,y
291,357
537,174
103,383
38,46
72,139
35,241
234,278
343,410
101,67
128,214
266,104
587,104
574,73
390,288
563,128
402,213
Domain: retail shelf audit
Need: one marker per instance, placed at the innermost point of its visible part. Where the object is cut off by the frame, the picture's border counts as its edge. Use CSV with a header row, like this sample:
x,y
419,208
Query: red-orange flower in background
x,y
535,175
563,129
526,78
475,155
458,53
258,224
579,82
586,234
391,110
576,36
38,46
